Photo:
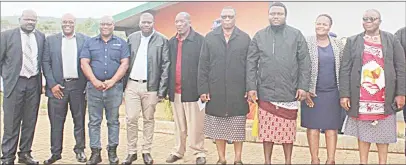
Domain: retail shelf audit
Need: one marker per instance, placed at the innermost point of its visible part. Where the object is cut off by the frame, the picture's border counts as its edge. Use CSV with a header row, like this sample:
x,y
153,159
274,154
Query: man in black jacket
x,y
146,84
278,69
184,52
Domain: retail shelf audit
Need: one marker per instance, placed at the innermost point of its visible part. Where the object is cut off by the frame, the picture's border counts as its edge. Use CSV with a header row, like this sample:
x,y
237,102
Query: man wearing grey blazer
x,y
65,84
20,62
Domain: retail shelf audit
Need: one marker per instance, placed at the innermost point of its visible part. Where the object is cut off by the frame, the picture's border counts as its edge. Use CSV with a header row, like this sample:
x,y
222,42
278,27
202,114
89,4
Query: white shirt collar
x,y
148,37
22,32
74,35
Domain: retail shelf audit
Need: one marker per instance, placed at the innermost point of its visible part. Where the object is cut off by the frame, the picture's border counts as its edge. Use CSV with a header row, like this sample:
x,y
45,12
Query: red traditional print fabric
x,y
372,91
276,129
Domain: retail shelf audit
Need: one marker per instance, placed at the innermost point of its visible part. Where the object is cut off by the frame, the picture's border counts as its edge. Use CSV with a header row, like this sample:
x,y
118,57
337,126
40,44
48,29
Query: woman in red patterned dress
x,y
372,86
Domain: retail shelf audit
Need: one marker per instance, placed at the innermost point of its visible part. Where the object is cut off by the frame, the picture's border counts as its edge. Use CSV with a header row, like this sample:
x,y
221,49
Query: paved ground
x,y
163,143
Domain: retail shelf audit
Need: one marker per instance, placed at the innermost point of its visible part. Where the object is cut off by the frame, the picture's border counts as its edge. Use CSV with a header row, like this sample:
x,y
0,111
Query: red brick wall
x,y
251,16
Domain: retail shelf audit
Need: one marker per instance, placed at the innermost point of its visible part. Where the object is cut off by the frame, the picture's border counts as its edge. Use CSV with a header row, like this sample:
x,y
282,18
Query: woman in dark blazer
x,y
372,86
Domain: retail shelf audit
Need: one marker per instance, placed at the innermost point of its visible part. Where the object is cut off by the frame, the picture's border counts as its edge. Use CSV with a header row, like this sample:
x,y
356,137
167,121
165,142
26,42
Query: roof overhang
x,y
128,20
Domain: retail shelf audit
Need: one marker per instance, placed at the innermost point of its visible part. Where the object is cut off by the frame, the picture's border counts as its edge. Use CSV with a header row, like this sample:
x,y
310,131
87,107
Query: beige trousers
x,y
189,122
138,99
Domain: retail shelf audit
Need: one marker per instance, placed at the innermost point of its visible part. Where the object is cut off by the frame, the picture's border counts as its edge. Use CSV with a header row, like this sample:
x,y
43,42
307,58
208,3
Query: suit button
x,y
359,71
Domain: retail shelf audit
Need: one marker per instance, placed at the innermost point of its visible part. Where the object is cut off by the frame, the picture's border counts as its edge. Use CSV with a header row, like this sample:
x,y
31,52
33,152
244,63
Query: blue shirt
x,y
105,57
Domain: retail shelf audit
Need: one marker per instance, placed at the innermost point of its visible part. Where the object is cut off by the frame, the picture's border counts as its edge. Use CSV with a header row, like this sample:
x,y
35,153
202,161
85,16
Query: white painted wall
x,y
347,16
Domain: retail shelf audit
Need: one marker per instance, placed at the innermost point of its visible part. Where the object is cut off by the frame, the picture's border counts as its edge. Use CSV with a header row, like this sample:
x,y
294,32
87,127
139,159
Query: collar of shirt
x,y
179,38
73,36
148,37
112,37
22,32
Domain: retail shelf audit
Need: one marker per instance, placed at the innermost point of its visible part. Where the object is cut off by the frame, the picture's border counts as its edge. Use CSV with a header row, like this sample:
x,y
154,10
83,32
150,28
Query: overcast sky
x,y
346,15
57,9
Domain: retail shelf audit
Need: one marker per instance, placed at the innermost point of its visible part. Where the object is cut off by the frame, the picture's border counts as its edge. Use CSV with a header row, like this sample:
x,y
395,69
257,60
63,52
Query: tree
x,y
87,27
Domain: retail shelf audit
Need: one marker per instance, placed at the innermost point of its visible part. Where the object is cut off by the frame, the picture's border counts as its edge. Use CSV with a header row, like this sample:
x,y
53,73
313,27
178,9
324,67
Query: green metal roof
x,y
137,10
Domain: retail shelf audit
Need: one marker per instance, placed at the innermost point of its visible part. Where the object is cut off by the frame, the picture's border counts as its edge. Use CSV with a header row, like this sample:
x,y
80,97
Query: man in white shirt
x,y
146,84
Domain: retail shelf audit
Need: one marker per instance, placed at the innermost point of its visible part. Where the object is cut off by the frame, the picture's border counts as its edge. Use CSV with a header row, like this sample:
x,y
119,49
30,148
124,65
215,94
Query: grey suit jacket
x,y
52,64
11,58
351,65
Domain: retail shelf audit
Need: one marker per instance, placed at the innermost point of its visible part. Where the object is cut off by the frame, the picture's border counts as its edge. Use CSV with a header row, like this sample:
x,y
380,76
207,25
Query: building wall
x,y
251,16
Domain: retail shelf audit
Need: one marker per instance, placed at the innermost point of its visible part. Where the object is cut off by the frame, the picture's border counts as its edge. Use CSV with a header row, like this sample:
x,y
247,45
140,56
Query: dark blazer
x,y
222,72
351,65
11,58
191,47
401,34
52,61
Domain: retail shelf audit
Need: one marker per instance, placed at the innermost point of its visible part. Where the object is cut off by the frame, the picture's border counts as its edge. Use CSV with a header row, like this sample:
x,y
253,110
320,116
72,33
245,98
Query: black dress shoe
x,y
172,158
130,158
147,158
27,159
53,159
81,157
201,160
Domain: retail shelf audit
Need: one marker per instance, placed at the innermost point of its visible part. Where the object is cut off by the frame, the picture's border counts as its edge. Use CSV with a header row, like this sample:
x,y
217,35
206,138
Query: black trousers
x,y
20,114
57,111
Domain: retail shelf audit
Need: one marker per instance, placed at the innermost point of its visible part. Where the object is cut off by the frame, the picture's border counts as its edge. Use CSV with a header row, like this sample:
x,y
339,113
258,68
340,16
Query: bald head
x,y
68,24
182,23
28,20
106,26
371,21
107,18
146,16
29,13
68,16
184,15
146,23
373,12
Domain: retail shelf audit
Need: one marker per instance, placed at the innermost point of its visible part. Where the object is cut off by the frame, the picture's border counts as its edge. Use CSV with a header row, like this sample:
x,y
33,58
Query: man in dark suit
x,y
65,85
20,62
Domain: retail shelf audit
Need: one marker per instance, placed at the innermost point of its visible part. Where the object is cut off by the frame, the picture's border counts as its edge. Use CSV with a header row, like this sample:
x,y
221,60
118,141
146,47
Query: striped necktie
x,y
28,64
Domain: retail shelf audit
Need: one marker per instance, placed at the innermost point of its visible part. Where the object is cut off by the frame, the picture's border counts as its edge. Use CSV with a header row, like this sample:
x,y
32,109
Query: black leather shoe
x,y
172,158
81,157
147,158
53,159
7,163
130,158
27,159
95,157
112,154
201,160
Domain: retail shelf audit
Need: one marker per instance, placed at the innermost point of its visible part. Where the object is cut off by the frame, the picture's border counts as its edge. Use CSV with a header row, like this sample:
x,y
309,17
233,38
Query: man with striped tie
x,y
20,62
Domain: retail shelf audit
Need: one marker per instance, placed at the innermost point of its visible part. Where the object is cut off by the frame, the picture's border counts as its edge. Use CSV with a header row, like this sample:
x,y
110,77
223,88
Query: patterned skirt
x,y
225,128
383,132
276,129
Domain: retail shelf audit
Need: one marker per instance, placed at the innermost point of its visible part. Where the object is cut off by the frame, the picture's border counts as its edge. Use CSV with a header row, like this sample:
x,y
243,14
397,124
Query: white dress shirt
x,y
34,53
69,57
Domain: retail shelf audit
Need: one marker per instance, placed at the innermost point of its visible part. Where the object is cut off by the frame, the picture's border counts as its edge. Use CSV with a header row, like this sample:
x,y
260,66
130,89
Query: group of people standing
x,y
278,68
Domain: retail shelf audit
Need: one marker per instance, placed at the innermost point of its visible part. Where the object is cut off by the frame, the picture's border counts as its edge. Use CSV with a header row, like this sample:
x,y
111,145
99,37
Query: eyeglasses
x,y
68,22
225,16
106,24
369,19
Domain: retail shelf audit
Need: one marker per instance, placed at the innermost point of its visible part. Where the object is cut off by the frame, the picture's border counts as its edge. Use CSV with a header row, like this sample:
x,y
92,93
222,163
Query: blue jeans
x,y
109,100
